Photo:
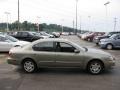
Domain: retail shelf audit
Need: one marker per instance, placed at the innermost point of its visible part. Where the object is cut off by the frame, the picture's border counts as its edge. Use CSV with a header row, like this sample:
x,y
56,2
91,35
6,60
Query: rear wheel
x,y
109,46
29,66
95,67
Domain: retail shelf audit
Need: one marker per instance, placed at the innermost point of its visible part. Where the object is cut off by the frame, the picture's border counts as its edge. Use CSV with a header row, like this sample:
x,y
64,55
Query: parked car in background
x,y
56,34
40,35
110,43
60,53
27,36
84,36
107,35
47,35
71,33
7,42
1,33
91,36
64,33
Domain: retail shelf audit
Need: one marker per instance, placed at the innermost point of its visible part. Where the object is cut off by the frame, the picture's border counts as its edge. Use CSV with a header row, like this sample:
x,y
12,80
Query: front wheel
x,y
95,67
29,66
109,46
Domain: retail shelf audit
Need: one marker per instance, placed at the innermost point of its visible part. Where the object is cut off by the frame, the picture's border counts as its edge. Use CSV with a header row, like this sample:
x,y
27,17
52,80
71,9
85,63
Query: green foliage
x,y
28,26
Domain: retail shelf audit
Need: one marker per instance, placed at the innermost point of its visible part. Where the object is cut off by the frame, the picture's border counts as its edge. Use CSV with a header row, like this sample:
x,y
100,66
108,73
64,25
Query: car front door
x,y
117,41
44,53
66,55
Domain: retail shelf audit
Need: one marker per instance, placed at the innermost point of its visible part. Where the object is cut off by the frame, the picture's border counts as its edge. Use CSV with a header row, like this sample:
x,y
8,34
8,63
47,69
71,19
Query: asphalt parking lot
x,y
13,78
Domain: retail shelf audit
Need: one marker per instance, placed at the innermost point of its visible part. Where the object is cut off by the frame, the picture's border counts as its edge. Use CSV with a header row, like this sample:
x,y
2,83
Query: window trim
x,y
65,43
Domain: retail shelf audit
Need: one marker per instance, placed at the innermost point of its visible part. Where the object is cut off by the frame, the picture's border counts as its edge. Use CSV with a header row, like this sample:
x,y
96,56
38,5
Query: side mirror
x,y
76,51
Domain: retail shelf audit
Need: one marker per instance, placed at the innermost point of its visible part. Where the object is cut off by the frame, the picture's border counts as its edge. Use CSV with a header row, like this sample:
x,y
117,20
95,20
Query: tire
x,y
29,66
109,46
97,44
95,67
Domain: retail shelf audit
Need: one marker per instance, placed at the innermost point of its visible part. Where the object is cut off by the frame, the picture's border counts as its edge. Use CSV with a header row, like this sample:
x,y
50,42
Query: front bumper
x,y
110,65
103,44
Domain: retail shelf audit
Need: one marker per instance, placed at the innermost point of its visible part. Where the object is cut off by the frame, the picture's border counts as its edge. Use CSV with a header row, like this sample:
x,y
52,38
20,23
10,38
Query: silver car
x,y
60,53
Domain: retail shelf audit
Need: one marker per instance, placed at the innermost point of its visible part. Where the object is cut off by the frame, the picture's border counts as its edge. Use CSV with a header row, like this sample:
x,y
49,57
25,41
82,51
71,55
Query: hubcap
x,y
29,66
95,68
109,47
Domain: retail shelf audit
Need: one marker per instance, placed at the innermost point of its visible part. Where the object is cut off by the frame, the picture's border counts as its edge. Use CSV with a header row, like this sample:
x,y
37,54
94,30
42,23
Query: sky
x,y
91,13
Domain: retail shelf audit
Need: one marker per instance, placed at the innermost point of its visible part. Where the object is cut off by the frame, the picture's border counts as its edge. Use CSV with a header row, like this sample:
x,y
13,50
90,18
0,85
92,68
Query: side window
x,y
19,33
64,47
24,34
2,39
44,46
118,37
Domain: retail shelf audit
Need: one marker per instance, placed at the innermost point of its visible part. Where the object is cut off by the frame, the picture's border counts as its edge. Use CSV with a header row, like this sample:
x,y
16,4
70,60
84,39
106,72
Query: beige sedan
x,y
60,53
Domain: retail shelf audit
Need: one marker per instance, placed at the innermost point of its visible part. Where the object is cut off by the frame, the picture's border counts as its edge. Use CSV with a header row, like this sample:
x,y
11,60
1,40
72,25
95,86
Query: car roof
x,y
52,39
2,35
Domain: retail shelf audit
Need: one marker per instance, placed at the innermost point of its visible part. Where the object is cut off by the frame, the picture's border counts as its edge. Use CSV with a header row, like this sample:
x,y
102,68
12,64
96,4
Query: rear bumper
x,y
13,62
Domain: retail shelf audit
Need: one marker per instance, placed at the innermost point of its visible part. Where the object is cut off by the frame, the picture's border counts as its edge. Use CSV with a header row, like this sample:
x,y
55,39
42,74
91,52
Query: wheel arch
x,y
27,58
110,44
95,59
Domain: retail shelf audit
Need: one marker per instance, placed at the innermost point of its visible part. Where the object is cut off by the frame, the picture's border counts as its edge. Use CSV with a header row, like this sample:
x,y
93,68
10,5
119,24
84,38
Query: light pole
x,y
115,22
7,13
89,26
73,26
38,22
76,15
106,4
80,24
18,15
62,25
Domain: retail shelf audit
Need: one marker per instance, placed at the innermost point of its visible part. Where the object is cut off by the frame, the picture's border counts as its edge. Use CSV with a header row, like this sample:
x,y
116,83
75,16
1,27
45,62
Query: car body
x,y
65,33
7,42
56,34
47,35
107,35
60,53
84,36
91,36
110,43
27,36
0,32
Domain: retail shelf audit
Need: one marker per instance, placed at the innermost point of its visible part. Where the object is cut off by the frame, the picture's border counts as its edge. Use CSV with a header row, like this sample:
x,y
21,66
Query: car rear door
x,y
66,57
44,53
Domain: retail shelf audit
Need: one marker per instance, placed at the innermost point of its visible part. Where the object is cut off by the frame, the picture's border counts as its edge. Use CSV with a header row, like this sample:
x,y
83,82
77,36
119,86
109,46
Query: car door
x,y
5,44
44,53
25,36
117,41
66,57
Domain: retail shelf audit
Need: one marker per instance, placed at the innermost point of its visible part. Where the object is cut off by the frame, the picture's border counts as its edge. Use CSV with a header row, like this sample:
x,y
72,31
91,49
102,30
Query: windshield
x,y
44,33
10,38
108,34
114,36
